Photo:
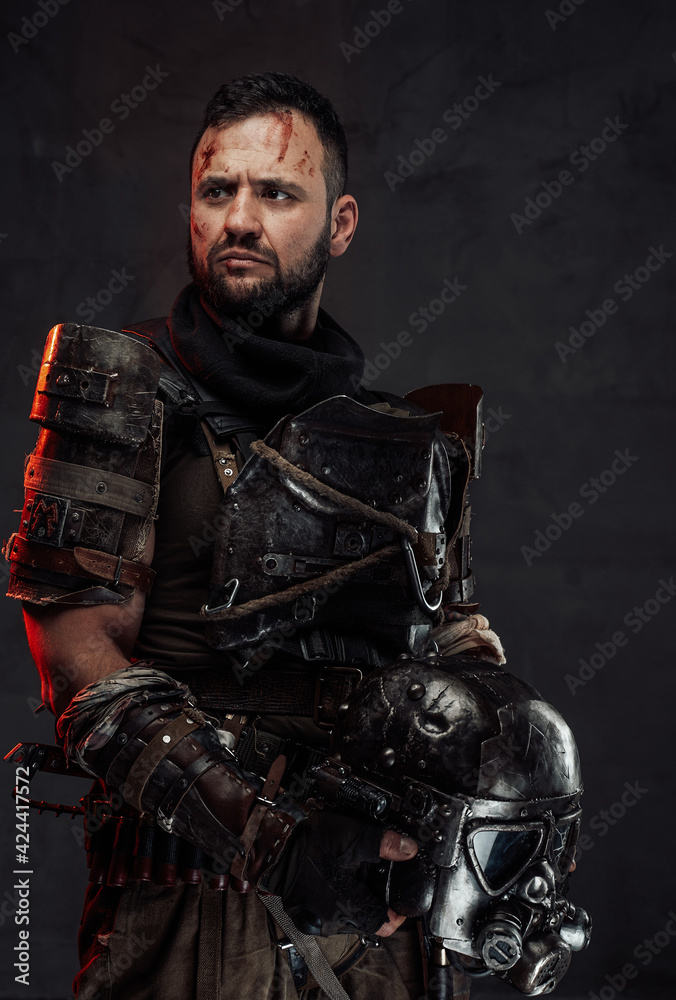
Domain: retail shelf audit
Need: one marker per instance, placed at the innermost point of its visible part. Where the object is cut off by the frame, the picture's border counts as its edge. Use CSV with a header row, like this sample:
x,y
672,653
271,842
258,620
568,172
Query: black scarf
x,y
256,374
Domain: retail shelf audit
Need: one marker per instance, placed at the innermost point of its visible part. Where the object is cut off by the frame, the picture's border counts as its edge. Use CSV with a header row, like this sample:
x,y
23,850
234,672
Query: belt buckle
x,y
321,713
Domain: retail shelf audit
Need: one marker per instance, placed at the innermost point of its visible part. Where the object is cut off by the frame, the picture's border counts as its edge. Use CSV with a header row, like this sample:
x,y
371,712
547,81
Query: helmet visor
x,y
500,853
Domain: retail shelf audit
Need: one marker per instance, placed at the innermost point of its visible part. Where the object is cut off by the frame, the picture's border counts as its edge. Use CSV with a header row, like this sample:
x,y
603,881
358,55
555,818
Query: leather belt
x,y
316,694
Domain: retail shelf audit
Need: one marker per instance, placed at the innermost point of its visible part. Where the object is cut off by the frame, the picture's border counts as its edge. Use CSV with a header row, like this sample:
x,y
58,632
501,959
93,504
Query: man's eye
x,y
275,195
214,193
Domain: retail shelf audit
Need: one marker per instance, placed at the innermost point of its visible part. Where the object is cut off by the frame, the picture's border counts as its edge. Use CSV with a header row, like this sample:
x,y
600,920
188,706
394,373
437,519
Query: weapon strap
x,y
308,948
208,983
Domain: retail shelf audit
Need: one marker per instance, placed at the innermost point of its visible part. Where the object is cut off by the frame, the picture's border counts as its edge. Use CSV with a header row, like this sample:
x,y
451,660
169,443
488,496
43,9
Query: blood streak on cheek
x,y
196,229
285,119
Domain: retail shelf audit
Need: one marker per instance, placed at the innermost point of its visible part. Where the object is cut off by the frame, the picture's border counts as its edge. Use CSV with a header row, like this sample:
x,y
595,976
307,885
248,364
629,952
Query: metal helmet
x,y
492,773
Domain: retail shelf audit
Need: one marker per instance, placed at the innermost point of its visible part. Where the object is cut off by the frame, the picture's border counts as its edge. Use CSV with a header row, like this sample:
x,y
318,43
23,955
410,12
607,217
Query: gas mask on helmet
x,y
486,776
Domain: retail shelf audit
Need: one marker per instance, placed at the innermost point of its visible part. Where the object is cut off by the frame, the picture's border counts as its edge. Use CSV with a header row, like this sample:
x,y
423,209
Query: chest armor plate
x,y
277,530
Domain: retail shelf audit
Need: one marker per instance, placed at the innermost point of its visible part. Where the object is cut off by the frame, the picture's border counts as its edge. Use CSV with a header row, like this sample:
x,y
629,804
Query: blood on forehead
x,y
285,122
206,157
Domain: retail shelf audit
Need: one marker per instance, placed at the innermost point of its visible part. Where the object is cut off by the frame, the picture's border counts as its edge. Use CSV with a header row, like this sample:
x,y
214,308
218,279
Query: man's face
x,y
260,226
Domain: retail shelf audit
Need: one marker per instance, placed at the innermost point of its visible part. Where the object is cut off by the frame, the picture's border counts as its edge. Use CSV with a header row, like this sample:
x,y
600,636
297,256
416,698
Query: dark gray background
x,y
559,424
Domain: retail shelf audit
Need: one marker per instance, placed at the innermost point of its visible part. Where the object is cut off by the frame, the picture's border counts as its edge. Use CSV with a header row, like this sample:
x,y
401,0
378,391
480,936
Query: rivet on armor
x,y
101,488
396,498
270,563
416,691
303,439
228,472
398,478
265,748
326,469
166,738
31,472
387,757
432,655
138,498
75,516
222,461
425,455
183,782
422,764
164,708
342,710
524,812
404,656
235,506
190,721
122,738
297,507
71,534
419,484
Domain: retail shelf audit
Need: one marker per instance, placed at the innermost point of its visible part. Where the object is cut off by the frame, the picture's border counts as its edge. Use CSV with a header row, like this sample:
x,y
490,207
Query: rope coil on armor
x,y
349,503
339,573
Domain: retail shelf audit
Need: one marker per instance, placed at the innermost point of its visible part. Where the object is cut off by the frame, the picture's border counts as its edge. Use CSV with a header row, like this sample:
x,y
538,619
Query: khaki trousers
x,y
143,943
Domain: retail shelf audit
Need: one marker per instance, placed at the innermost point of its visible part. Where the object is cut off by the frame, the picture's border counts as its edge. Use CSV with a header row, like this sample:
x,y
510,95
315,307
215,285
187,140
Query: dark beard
x,y
272,297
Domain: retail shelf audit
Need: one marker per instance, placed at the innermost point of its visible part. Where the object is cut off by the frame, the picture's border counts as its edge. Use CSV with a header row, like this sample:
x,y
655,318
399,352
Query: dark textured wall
x,y
561,404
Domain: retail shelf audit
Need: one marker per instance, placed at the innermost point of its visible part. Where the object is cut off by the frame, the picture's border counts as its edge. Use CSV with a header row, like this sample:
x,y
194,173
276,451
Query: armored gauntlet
x,y
139,730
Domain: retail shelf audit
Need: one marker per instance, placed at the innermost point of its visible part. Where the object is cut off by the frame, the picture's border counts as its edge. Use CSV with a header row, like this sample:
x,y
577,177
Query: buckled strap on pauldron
x,y
80,562
80,482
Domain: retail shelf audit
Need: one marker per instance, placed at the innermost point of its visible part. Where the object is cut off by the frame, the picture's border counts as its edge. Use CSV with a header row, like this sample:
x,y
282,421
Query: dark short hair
x,y
262,93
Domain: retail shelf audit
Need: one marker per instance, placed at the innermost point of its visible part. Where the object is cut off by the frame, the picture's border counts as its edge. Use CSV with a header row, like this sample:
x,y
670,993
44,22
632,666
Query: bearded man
x,y
186,675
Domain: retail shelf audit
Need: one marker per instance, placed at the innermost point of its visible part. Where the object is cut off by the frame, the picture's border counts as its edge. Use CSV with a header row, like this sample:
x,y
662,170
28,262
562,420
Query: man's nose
x,y
243,217
536,883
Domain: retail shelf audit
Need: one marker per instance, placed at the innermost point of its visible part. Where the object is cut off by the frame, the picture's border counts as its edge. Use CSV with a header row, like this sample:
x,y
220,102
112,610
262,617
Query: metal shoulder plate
x,y
91,484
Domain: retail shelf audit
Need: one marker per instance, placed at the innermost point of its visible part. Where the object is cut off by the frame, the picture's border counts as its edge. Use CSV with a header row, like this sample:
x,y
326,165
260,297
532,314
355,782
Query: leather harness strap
x,y
80,562
223,456
265,799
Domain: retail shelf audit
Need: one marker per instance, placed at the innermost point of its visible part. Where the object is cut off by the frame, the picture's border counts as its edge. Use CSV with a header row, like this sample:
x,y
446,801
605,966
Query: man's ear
x,y
344,215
